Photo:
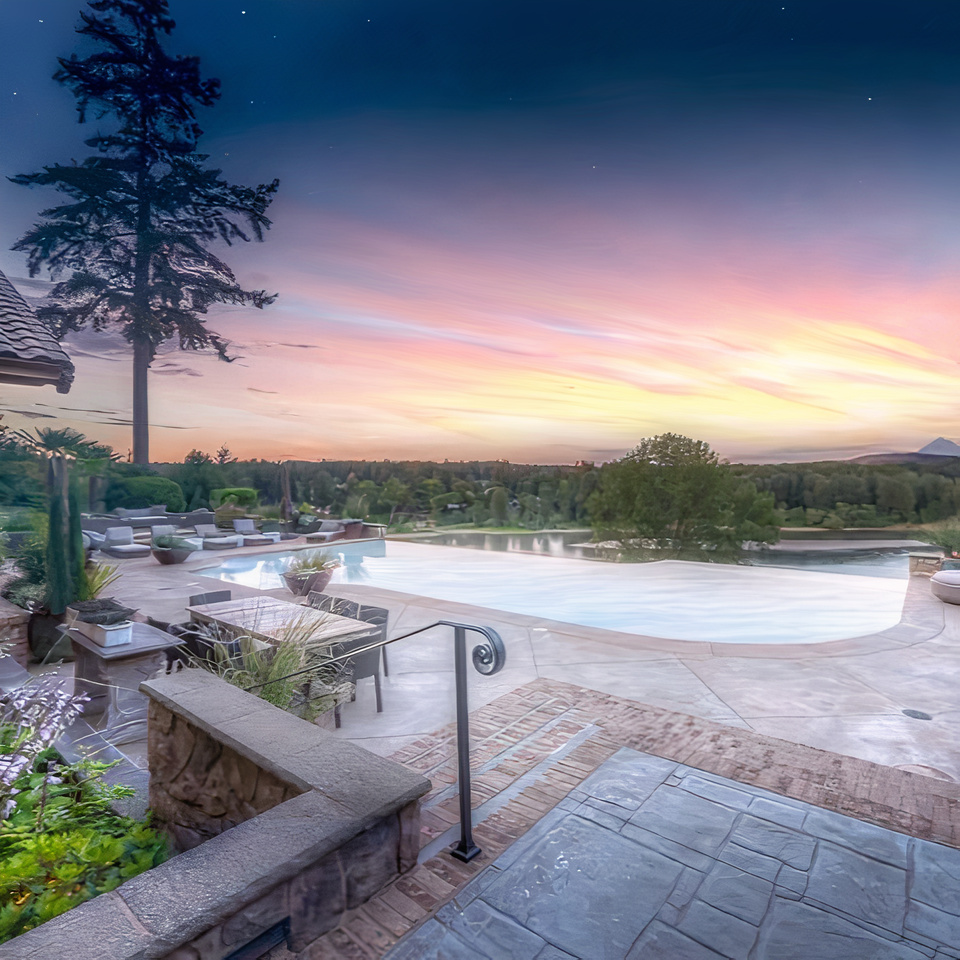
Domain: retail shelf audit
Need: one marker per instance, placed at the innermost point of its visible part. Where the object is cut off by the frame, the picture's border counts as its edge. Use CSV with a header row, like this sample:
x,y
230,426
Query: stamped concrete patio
x,y
649,859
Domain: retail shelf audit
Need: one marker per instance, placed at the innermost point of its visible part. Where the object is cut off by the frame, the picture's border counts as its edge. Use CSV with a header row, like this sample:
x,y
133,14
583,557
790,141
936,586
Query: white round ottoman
x,y
946,585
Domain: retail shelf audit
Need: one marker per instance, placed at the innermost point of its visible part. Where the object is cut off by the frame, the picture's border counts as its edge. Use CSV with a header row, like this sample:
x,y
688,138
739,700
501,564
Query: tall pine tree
x,y
144,210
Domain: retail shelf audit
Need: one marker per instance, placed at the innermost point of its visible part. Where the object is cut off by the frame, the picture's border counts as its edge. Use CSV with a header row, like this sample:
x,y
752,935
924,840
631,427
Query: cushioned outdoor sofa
x,y
144,517
118,542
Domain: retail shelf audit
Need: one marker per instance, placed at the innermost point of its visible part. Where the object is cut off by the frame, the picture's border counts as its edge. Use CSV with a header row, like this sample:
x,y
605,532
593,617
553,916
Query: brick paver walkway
x,y
535,745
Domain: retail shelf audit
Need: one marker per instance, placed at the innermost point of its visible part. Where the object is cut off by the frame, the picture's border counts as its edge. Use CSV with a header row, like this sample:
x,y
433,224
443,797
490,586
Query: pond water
x,y
673,599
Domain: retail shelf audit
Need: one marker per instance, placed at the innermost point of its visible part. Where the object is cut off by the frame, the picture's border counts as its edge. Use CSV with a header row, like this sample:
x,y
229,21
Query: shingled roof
x,y
28,352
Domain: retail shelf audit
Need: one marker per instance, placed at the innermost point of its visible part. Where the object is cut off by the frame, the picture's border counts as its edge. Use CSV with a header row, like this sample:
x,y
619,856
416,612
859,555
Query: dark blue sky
x,y
683,177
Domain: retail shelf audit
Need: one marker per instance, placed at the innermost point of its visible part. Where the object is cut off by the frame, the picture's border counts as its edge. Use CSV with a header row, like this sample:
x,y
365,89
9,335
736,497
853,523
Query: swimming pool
x,y
670,598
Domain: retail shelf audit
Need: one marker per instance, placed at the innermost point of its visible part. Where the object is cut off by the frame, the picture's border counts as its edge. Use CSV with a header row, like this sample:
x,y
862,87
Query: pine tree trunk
x,y
142,355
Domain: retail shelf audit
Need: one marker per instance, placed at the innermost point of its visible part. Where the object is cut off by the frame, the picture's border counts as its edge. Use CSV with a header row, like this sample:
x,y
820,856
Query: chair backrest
x,y
162,530
214,596
207,530
117,535
201,641
378,615
244,525
331,604
366,664
326,526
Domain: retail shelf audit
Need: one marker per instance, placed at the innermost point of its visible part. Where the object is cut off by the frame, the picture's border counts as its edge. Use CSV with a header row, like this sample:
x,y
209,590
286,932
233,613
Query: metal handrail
x,y
487,659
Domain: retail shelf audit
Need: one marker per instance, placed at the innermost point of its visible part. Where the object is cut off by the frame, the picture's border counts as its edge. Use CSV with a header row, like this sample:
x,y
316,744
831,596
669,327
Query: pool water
x,y
673,599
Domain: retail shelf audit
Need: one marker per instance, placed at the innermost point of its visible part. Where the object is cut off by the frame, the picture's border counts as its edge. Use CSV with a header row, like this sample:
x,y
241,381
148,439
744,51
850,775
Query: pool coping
x,y
921,619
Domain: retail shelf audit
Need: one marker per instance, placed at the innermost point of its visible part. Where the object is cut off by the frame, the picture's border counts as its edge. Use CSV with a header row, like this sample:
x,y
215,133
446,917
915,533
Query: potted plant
x,y
103,619
90,607
169,549
309,572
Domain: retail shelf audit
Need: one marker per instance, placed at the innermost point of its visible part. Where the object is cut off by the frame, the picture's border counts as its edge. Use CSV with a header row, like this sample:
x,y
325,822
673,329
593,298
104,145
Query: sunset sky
x,y
541,230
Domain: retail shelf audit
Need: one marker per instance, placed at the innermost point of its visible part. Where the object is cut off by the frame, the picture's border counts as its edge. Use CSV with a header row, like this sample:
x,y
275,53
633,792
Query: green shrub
x,y
15,520
241,496
945,535
138,492
167,542
61,843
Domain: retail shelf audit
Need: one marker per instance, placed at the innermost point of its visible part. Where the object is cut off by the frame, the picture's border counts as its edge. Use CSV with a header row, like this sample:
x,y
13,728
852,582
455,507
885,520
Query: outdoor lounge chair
x,y
215,539
118,542
247,528
329,530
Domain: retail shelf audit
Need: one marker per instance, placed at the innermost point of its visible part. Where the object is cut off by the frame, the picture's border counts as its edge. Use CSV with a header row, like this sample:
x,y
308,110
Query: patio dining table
x,y
267,618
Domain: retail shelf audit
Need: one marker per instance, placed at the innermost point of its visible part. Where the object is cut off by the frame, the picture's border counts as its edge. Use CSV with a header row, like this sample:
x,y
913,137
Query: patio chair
x,y
365,664
118,542
162,530
214,538
198,639
379,616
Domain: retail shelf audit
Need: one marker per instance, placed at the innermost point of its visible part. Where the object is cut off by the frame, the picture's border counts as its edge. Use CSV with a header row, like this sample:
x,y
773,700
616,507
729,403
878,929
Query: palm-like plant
x,y
57,448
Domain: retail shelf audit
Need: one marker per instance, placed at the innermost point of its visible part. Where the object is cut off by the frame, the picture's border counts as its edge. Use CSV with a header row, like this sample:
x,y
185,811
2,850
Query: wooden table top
x,y
268,618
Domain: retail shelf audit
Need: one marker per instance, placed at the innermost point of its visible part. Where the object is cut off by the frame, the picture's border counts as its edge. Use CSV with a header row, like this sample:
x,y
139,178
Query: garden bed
x,y
283,829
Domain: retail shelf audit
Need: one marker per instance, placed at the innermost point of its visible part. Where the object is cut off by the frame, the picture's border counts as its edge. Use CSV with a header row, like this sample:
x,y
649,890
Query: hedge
x,y
135,492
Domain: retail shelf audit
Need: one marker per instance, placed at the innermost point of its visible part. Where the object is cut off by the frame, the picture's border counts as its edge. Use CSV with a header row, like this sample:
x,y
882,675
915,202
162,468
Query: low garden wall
x,y
283,827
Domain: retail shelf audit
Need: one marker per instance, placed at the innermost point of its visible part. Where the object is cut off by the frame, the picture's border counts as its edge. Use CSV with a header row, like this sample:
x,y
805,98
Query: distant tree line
x,y
837,494
486,493
743,499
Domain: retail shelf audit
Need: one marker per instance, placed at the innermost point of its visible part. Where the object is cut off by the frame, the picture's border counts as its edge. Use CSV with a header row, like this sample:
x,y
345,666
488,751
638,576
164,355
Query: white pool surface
x,y
673,599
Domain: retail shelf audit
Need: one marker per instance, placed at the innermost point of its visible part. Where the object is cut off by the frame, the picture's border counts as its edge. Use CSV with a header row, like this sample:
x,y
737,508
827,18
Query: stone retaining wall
x,y
13,631
345,822
198,786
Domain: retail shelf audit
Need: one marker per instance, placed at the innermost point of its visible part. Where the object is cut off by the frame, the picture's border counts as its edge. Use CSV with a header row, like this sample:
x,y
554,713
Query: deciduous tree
x,y
671,492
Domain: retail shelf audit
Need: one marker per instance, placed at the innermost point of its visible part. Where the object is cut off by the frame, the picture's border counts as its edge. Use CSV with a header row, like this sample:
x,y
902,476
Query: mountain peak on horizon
x,y
941,447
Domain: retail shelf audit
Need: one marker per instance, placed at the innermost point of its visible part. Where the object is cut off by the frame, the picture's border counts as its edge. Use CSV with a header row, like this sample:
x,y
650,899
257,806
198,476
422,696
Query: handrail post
x,y
488,658
466,849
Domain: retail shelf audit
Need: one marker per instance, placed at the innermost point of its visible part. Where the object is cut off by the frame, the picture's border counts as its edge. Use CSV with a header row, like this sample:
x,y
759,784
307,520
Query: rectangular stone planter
x,y
106,634
283,828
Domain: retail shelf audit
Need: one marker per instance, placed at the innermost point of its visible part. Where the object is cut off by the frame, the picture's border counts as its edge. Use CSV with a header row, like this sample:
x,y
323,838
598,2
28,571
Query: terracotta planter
x,y
300,584
170,554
